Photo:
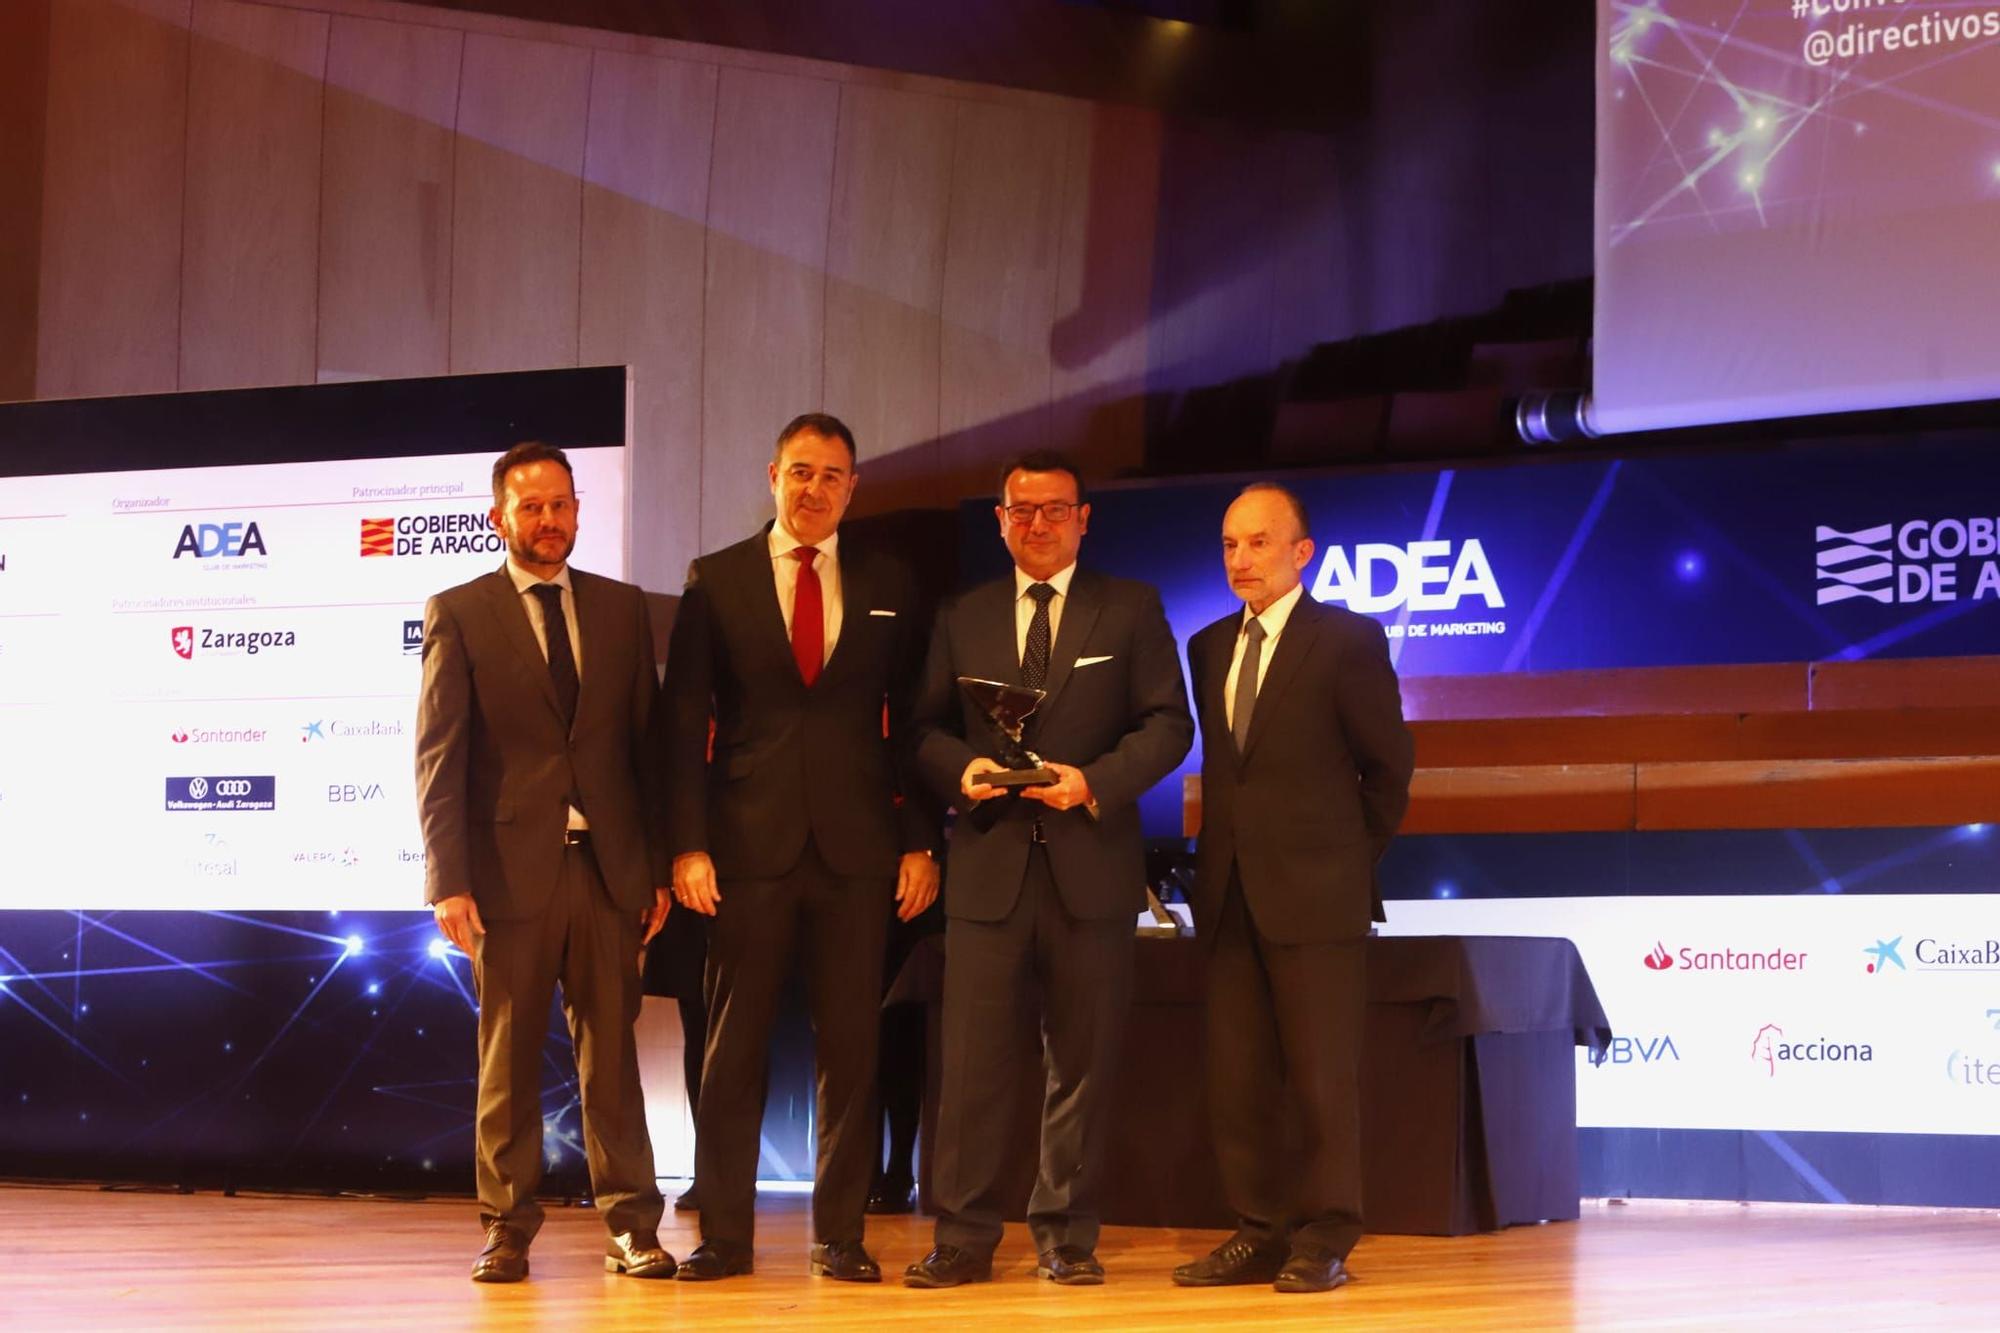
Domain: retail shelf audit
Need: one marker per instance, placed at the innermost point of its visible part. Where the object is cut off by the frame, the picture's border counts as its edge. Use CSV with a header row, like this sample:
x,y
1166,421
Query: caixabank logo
x,y
1921,560
1932,954
465,533
1774,1053
190,641
231,794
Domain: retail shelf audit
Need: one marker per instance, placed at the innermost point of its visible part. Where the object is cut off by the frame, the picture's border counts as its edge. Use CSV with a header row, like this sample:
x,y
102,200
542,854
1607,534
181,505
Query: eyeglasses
x,y
1055,511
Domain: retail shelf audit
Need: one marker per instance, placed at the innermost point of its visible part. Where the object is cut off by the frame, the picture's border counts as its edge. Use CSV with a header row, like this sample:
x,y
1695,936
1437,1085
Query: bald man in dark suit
x,y
1305,775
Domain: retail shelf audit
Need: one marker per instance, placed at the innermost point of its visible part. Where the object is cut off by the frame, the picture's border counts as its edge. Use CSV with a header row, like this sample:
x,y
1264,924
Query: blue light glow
x,y
353,945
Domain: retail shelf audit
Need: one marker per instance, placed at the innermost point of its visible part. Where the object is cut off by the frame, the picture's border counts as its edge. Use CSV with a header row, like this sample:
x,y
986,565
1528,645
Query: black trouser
x,y
899,1080
1284,1027
591,948
1083,970
836,926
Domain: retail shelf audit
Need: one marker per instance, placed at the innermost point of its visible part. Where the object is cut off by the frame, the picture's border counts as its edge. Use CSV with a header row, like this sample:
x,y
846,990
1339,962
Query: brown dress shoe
x,y
637,1254
844,1261
505,1258
1238,1261
709,1263
1070,1266
949,1266
1311,1269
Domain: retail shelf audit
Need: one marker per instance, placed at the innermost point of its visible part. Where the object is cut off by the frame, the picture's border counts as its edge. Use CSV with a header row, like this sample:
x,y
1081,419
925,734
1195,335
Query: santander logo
x,y
1659,959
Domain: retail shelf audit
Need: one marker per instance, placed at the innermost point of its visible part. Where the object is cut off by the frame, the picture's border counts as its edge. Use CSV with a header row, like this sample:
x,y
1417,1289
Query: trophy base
x,y
1020,777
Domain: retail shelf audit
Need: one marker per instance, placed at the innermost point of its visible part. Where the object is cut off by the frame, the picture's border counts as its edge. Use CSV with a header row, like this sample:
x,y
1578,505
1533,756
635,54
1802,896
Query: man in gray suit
x,y
542,863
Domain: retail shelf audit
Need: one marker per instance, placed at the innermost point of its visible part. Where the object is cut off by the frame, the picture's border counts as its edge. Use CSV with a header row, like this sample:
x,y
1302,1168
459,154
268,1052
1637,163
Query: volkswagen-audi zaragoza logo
x,y
222,795
1920,560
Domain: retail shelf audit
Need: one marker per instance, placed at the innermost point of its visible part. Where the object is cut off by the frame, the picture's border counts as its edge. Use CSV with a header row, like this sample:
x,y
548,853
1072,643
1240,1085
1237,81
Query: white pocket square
x,y
1092,661
881,613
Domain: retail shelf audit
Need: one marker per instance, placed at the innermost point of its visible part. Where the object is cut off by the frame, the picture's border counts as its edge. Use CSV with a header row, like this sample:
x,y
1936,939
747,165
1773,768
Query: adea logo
x,y
231,541
1659,960
1424,576
1770,1049
1639,1051
183,638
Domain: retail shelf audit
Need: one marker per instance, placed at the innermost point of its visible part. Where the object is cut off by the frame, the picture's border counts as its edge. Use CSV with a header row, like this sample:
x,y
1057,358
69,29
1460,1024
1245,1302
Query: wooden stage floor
x,y
84,1258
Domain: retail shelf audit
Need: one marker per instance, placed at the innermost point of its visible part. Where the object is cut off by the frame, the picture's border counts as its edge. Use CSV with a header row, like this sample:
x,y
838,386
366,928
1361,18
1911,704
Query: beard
x,y
525,553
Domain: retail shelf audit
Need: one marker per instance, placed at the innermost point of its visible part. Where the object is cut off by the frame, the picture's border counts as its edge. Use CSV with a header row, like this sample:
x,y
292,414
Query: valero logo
x,y
1659,959
378,536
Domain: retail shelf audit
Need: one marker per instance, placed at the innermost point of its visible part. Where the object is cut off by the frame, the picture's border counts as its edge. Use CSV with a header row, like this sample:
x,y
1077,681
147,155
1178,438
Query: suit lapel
x,y
503,601
1085,600
749,577
592,634
855,591
1217,647
1293,645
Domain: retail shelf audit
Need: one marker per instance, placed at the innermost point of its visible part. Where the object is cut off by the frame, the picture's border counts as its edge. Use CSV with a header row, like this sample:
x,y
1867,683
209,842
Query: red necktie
x,y
808,617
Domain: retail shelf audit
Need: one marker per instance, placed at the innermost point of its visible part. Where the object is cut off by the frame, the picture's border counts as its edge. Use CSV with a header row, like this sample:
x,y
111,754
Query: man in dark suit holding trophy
x,y
1046,879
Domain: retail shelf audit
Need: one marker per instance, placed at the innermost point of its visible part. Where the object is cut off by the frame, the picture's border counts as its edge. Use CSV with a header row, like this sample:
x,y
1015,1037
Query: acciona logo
x,y
1773,1052
1916,561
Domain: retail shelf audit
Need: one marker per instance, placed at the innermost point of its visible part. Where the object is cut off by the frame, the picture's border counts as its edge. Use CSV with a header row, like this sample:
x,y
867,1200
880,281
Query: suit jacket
x,y
1309,807
791,761
495,767
1116,708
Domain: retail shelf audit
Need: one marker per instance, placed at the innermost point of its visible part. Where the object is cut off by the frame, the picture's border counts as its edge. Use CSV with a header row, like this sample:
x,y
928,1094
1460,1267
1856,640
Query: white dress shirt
x,y
525,584
1273,619
785,569
1024,606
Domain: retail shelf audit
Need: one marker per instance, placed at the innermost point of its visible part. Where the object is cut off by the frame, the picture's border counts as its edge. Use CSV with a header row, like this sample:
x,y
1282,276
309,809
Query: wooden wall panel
x,y
24,105
517,228
1001,260
1104,288
885,288
111,198
386,211
250,245
652,125
764,313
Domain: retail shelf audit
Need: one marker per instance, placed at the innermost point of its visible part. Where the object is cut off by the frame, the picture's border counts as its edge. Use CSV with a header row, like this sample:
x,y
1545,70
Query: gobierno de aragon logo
x,y
469,532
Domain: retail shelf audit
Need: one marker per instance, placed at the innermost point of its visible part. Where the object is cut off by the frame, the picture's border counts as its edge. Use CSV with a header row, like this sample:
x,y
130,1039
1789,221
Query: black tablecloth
x,y
1468,1085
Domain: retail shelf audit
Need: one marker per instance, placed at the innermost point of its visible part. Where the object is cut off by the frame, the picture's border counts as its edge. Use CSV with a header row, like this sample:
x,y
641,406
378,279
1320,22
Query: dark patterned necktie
x,y
1035,661
562,660
1246,684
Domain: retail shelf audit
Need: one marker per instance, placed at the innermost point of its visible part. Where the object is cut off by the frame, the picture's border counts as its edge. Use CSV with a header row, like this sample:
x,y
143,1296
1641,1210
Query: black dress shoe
x,y
710,1262
1237,1261
1311,1269
844,1261
949,1266
1070,1266
505,1258
688,1202
637,1254
892,1197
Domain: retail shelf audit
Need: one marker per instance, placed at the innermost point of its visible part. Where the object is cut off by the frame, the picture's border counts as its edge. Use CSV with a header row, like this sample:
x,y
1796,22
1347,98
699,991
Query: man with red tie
x,y
794,645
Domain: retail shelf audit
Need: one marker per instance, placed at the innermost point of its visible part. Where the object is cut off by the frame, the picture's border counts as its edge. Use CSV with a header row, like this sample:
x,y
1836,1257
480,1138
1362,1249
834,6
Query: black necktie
x,y
1035,661
1246,684
562,661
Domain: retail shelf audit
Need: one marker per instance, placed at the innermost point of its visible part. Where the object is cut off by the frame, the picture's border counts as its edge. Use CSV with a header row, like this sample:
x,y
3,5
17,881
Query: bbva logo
x,y
1425,576
1639,1051
206,541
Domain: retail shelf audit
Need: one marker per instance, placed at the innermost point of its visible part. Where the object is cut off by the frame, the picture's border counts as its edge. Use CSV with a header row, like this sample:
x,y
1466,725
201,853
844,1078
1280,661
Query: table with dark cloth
x,y
1468,1086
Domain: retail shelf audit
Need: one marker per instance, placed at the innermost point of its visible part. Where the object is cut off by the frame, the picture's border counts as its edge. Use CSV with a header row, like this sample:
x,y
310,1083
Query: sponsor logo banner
x,y
233,794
